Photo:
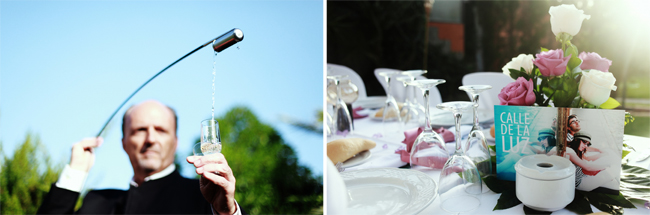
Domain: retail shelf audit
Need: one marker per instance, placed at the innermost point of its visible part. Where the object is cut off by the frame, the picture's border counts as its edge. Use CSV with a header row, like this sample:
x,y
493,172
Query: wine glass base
x,y
460,203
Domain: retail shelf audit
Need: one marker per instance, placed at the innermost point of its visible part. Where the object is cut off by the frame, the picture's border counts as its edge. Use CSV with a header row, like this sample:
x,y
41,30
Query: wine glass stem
x,y
457,117
413,100
388,86
427,123
475,100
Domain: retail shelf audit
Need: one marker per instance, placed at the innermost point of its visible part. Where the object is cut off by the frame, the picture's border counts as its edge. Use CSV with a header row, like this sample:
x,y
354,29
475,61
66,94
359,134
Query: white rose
x,y
521,61
595,86
566,18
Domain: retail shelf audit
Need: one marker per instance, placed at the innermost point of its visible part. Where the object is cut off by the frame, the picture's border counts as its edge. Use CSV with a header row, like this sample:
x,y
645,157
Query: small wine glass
x,y
342,119
349,94
414,102
408,113
476,147
391,120
429,147
210,139
460,182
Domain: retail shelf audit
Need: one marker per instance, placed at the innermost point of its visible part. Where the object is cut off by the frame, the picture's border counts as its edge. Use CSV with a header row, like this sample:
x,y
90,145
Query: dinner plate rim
x,y
346,174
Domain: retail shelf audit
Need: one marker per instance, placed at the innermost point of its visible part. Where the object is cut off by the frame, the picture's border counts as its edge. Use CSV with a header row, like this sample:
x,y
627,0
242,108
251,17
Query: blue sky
x,y
65,66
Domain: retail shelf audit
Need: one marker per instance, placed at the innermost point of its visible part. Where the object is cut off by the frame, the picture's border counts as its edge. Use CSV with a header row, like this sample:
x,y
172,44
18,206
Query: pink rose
x,y
592,60
552,62
519,93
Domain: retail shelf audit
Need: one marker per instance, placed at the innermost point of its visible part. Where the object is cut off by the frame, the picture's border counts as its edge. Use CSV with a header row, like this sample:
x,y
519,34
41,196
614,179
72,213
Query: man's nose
x,y
152,135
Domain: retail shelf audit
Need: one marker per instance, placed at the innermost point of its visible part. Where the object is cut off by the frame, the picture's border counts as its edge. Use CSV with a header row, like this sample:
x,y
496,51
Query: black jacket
x,y
171,194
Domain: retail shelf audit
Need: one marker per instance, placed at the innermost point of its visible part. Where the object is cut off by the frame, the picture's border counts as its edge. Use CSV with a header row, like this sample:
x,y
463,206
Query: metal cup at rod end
x,y
228,39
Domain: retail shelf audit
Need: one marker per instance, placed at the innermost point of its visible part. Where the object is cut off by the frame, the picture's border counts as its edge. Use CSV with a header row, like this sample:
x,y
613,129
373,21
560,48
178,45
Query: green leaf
x,y
528,210
580,204
514,74
634,169
544,49
555,83
628,118
611,103
566,91
617,200
507,200
574,61
611,209
625,152
498,186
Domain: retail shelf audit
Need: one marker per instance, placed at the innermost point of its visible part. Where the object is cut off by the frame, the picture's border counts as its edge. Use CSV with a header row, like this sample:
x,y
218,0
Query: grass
x,y
640,126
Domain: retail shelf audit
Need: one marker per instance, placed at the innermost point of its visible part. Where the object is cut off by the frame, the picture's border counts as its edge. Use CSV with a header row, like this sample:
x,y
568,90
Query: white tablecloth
x,y
383,155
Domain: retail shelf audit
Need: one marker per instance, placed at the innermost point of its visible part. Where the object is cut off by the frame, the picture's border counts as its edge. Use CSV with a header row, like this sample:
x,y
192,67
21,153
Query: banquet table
x,y
384,156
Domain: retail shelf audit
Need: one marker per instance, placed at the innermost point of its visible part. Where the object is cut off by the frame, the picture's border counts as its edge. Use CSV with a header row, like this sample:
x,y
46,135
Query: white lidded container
x,y
545,183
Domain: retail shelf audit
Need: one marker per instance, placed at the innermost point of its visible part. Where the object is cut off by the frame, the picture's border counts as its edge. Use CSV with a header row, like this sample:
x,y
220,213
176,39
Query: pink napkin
x,y
431,161
356,115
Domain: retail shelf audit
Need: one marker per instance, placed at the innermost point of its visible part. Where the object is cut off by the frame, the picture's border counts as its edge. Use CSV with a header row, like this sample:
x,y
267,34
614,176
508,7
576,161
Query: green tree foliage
x,y
269,178
26,177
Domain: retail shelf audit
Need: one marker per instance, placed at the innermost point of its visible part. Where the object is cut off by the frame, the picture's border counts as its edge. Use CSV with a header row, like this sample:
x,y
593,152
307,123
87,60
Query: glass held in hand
x,y
210,138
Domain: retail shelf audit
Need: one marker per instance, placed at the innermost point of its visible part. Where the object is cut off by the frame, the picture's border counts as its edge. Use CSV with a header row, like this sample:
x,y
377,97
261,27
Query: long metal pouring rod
x,y
218,44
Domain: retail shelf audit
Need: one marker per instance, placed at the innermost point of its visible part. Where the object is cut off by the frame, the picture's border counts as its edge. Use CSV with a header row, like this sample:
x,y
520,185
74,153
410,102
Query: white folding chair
x,y
489,98
335,69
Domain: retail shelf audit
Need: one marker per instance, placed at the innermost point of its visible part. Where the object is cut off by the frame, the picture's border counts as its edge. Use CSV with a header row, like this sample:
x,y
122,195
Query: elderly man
x,y
149,139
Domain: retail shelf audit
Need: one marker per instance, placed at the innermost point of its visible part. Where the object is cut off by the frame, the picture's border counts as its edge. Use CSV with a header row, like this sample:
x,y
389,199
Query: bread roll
x,y
343,149
391,113
492,131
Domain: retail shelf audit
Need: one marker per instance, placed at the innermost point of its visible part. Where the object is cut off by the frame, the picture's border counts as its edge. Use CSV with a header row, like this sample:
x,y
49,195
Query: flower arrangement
x,y
561,77
566,78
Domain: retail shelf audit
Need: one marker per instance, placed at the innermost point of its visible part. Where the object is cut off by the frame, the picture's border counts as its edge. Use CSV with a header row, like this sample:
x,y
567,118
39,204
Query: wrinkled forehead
x,y
148,114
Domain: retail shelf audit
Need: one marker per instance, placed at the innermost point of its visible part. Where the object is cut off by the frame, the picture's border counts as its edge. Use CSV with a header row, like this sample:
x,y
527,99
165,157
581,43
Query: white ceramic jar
x,y
545,183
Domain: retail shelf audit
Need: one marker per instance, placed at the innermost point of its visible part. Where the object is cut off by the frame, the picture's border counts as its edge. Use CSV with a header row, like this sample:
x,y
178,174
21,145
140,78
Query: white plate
x,y
388,191
357,159
370,102
441,118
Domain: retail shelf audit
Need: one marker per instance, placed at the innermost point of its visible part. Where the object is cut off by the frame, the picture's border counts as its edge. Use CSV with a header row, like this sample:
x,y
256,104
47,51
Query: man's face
x,y
574,124
150,137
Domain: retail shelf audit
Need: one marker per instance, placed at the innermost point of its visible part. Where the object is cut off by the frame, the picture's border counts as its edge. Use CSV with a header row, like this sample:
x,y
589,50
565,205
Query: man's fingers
x,y
219,169
191,159
90,142
217,179
217,158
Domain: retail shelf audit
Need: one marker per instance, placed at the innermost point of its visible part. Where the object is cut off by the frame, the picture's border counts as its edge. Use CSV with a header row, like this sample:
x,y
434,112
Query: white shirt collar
x,y
158,175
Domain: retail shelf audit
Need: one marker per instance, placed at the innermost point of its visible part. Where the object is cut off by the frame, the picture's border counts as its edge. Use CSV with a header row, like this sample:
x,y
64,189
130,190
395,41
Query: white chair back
x,y
489,98
335,69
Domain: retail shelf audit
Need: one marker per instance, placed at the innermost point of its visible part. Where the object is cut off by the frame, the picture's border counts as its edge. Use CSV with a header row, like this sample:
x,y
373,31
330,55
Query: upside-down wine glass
x,y
391,121
410,113
349,94
429,147
476,147
342,119
210,139
414,102
460,182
